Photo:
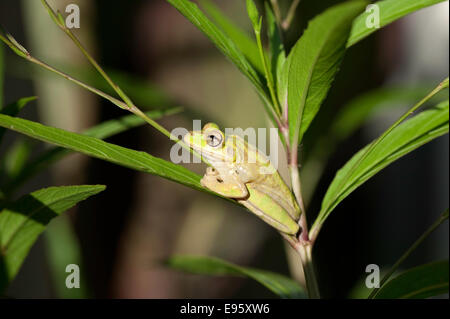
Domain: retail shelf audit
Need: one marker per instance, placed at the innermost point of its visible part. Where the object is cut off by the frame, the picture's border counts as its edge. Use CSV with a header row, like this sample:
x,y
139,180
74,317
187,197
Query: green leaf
x,y
420,282
277,52
358,110
24,220
223,43
313,63
95,147
14,108
63,248
406,137
143,93
2,74
241,39
441,219
115,126
389,11
253,14
16,158
280,285
102,131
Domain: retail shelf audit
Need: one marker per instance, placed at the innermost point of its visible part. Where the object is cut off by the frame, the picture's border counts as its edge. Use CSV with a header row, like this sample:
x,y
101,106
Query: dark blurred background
x,y
120,236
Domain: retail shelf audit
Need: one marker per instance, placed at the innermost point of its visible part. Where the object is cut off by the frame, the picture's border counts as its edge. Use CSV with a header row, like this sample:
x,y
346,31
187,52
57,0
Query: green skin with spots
x,y
241,172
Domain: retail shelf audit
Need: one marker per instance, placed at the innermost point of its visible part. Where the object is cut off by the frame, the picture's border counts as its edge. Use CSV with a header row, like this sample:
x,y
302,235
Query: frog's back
x,y
269,179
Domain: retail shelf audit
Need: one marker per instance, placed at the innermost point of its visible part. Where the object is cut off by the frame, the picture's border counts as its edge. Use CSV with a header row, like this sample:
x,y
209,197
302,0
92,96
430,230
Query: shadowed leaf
x,y
24,220
280,285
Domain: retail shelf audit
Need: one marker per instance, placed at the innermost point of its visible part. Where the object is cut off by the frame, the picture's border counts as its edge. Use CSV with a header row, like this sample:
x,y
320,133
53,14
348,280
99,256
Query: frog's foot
x,y
229,187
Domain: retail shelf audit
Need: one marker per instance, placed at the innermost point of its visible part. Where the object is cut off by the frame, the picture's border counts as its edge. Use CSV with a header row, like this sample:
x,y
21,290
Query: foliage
x,y
292,86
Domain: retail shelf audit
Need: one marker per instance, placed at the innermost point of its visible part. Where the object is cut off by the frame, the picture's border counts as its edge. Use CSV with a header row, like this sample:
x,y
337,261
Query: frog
x,y
240,171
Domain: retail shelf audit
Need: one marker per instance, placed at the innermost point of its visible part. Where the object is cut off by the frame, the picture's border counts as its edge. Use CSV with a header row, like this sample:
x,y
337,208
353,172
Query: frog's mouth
x,y
215,156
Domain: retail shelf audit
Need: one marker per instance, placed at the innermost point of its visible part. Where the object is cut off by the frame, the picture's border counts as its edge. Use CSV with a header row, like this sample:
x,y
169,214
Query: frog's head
x,y
209,142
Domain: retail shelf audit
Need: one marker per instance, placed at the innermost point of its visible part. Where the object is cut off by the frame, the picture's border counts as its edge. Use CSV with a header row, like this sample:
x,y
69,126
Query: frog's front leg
x,y
227,185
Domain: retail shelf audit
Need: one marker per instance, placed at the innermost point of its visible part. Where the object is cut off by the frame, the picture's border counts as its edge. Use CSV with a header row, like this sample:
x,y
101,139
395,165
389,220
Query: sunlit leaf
x,y
242,40
388,11
314,62
191,11
95,147
102,131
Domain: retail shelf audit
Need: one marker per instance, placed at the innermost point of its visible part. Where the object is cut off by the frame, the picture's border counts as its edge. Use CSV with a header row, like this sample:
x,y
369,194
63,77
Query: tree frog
x,y
238,170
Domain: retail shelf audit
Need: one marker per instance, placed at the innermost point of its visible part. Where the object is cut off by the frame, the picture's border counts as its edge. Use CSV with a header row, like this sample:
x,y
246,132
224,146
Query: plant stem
x,y
290,16
128,105
106,96
56,17
296,188
303,244
276,11
305,252
406,254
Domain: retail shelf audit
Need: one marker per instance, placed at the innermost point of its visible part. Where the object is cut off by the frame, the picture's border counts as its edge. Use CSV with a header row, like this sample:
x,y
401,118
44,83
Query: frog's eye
x,y
214,138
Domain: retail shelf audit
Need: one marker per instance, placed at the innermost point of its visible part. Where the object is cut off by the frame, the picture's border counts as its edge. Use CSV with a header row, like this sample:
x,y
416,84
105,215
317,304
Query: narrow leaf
x,y
420,282
403,139
63,248
277,52
102,131
95,147
14,108
253,14
223,43
280,285
314,62
241,39
441,219
2,74
358,110
16,157
386,12
23,221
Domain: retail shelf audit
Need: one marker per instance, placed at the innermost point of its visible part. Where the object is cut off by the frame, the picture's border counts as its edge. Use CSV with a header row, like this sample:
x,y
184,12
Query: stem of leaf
x,y
406,254
290,15
277,11
296,188
303,244
57,18
22,52
59,21
305,252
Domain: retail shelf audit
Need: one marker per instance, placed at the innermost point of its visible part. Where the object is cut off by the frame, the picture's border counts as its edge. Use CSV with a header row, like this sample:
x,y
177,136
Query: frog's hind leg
x,y
270,211
285,225
229,187
290,206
